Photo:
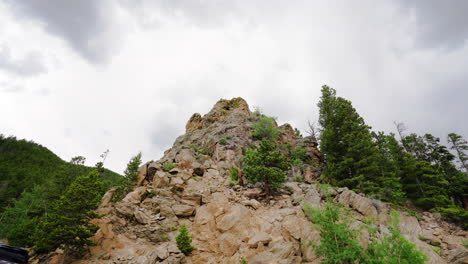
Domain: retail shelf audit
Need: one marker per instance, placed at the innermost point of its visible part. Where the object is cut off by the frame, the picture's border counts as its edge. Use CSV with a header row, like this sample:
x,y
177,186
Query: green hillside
x,y
25,164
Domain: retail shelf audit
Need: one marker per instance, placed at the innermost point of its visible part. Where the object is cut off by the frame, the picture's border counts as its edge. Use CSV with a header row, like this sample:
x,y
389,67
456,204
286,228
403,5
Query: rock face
x,y
228,223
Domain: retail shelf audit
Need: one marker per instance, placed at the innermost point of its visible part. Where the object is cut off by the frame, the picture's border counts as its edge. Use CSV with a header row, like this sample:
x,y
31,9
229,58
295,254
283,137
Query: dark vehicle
x,y
13,255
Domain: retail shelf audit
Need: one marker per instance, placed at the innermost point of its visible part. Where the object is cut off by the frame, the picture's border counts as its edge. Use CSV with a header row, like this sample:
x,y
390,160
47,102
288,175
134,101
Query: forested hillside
x,y
34,182
24,164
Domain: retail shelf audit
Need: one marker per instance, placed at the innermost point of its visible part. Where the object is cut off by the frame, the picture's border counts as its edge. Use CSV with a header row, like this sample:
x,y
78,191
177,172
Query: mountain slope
x,y
192,185
24,164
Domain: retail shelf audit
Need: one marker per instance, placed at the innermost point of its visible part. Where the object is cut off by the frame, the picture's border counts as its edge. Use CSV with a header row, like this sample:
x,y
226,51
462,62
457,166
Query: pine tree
x,y
67,226
131,172
266,164
184,241
425,180
18,222
346,141
389,155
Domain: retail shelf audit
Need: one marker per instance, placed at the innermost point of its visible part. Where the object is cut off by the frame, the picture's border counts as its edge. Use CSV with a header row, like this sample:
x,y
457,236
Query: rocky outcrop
x,y
228,223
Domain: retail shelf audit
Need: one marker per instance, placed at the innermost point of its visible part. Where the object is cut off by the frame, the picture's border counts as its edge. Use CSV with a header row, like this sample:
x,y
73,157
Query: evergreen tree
x,y
67,225
425,179
131,172
131,177
18,222
266,164
389,155
346,141
184,241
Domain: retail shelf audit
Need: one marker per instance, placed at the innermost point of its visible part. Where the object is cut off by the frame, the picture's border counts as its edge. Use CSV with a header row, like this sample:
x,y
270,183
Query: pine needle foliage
x,y
339,244
265,128
266,164
67,226
184,241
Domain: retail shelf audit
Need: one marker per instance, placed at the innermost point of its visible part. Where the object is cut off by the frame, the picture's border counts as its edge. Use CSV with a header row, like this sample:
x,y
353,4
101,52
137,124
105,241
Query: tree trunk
x,y
267,190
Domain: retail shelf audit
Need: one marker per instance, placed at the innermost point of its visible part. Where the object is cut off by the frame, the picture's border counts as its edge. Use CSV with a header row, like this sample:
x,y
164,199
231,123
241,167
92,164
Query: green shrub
x,y
456,214
168,166
297,132
148,194
339,244
265,128
233,103
223,141
223,112
266,164
200,150
299,179
232,183
299,154
393,248
184,241
234,174
243,260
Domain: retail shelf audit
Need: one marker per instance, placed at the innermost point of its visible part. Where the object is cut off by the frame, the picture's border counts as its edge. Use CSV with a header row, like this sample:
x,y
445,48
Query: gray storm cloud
x,y
86,25
439,24
396,61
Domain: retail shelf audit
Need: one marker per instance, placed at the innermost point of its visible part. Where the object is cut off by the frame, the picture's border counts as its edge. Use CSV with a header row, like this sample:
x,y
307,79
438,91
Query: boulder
x,y
252,202
253,192
231,218
361,204
312,198
142,217
259,237
228,244
135,195
160,180
125,209
183,210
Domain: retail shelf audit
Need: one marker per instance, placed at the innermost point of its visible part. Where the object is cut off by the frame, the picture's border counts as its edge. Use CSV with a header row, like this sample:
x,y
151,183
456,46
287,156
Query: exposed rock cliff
x,y
228,222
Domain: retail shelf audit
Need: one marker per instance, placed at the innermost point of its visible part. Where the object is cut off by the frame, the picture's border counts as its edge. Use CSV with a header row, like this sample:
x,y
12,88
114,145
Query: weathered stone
x,y
232,217
228,244
409,225
293,225
160,180
125,209
361,204
176,180
253,192
142,217
135,195
308,175
259,237
183,209
252,202
106,199
312,198
458,256
162,252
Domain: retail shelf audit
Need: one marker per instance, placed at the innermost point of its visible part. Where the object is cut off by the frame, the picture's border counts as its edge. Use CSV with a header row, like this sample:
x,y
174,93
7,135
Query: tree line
x,y
412,167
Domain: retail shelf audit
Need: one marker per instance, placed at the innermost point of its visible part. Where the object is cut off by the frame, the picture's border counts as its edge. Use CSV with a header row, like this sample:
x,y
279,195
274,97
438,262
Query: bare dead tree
x,y
401,128
313,130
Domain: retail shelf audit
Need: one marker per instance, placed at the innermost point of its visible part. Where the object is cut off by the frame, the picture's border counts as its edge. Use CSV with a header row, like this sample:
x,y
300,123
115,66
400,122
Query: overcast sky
x,y
80,77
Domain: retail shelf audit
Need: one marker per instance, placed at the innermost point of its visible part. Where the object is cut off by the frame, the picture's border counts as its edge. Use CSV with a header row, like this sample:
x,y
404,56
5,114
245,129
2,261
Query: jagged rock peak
x,y
220,111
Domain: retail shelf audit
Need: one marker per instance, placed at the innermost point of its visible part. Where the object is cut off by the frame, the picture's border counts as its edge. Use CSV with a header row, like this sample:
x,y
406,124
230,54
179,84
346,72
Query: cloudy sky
x,y
84,76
